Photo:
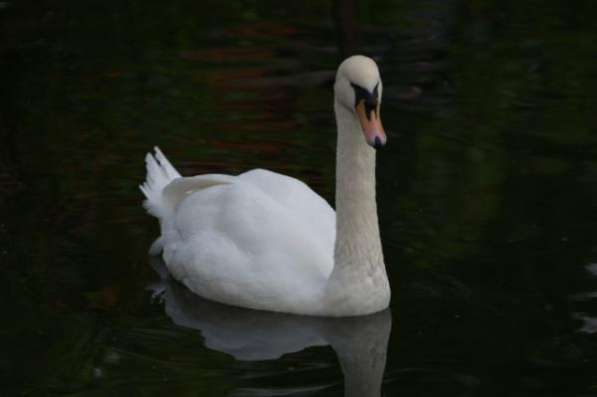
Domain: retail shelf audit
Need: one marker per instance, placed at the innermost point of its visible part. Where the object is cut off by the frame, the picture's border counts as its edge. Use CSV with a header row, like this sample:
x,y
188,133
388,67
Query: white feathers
x,y
159,174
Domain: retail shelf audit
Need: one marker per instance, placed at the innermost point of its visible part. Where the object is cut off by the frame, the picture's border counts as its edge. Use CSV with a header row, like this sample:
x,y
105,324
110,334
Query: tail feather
x,y
160,173
167,167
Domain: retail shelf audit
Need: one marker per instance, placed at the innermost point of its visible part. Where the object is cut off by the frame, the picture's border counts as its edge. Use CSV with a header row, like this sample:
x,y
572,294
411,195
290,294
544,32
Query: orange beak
x,y
371,123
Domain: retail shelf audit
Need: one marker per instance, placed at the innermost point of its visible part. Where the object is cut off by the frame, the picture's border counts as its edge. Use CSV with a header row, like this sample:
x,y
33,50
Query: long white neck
x,y
358,284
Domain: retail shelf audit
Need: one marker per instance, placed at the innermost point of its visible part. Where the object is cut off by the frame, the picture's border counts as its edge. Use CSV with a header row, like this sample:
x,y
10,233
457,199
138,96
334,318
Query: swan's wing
x,y
289,192
235,244
181,188
298,198
248,240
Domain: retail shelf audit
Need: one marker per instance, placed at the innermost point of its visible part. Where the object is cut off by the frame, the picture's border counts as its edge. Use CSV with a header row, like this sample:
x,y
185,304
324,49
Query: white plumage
x,y
266,241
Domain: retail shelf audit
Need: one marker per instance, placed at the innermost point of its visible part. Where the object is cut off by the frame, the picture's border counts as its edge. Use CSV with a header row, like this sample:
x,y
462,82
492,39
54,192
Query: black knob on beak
x,y
377,144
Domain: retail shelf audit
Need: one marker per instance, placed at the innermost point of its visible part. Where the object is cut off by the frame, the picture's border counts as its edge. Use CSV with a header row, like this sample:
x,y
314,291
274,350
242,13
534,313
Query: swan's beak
x,y
371,123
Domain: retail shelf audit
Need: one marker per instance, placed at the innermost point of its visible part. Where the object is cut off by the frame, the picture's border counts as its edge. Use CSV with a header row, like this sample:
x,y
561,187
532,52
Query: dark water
x,y
487,193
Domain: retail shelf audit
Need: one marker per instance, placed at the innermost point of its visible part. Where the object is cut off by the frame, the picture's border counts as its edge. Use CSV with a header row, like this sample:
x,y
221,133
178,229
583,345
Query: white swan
x,y
266,241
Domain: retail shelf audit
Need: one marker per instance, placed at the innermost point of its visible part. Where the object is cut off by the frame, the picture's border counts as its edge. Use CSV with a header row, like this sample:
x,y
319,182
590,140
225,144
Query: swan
x,y
266,241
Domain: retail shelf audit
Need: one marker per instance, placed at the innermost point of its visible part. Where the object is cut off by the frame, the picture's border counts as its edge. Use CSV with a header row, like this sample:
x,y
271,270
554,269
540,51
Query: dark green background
x,y
487,189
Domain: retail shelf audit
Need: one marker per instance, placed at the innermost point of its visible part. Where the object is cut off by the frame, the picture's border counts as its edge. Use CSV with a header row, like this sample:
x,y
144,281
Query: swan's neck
x,y
359,279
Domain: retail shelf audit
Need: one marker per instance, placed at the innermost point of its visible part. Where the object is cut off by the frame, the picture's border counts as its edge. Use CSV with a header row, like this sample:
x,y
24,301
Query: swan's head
x,y
358,89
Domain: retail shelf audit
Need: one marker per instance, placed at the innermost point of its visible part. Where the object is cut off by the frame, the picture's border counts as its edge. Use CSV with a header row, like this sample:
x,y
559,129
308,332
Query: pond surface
x,y
487,194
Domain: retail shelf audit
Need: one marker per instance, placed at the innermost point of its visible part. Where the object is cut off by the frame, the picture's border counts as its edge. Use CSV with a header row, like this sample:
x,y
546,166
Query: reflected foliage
x,y
487,190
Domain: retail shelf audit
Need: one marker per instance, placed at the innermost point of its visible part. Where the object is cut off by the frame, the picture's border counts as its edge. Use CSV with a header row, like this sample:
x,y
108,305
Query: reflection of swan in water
x,y
249,335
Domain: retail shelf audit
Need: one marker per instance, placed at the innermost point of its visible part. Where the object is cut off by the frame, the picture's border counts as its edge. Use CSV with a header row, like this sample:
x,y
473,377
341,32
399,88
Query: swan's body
x,y
266,241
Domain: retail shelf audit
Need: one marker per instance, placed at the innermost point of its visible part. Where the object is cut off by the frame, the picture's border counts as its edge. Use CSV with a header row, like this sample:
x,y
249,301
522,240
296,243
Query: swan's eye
x,y
370,99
